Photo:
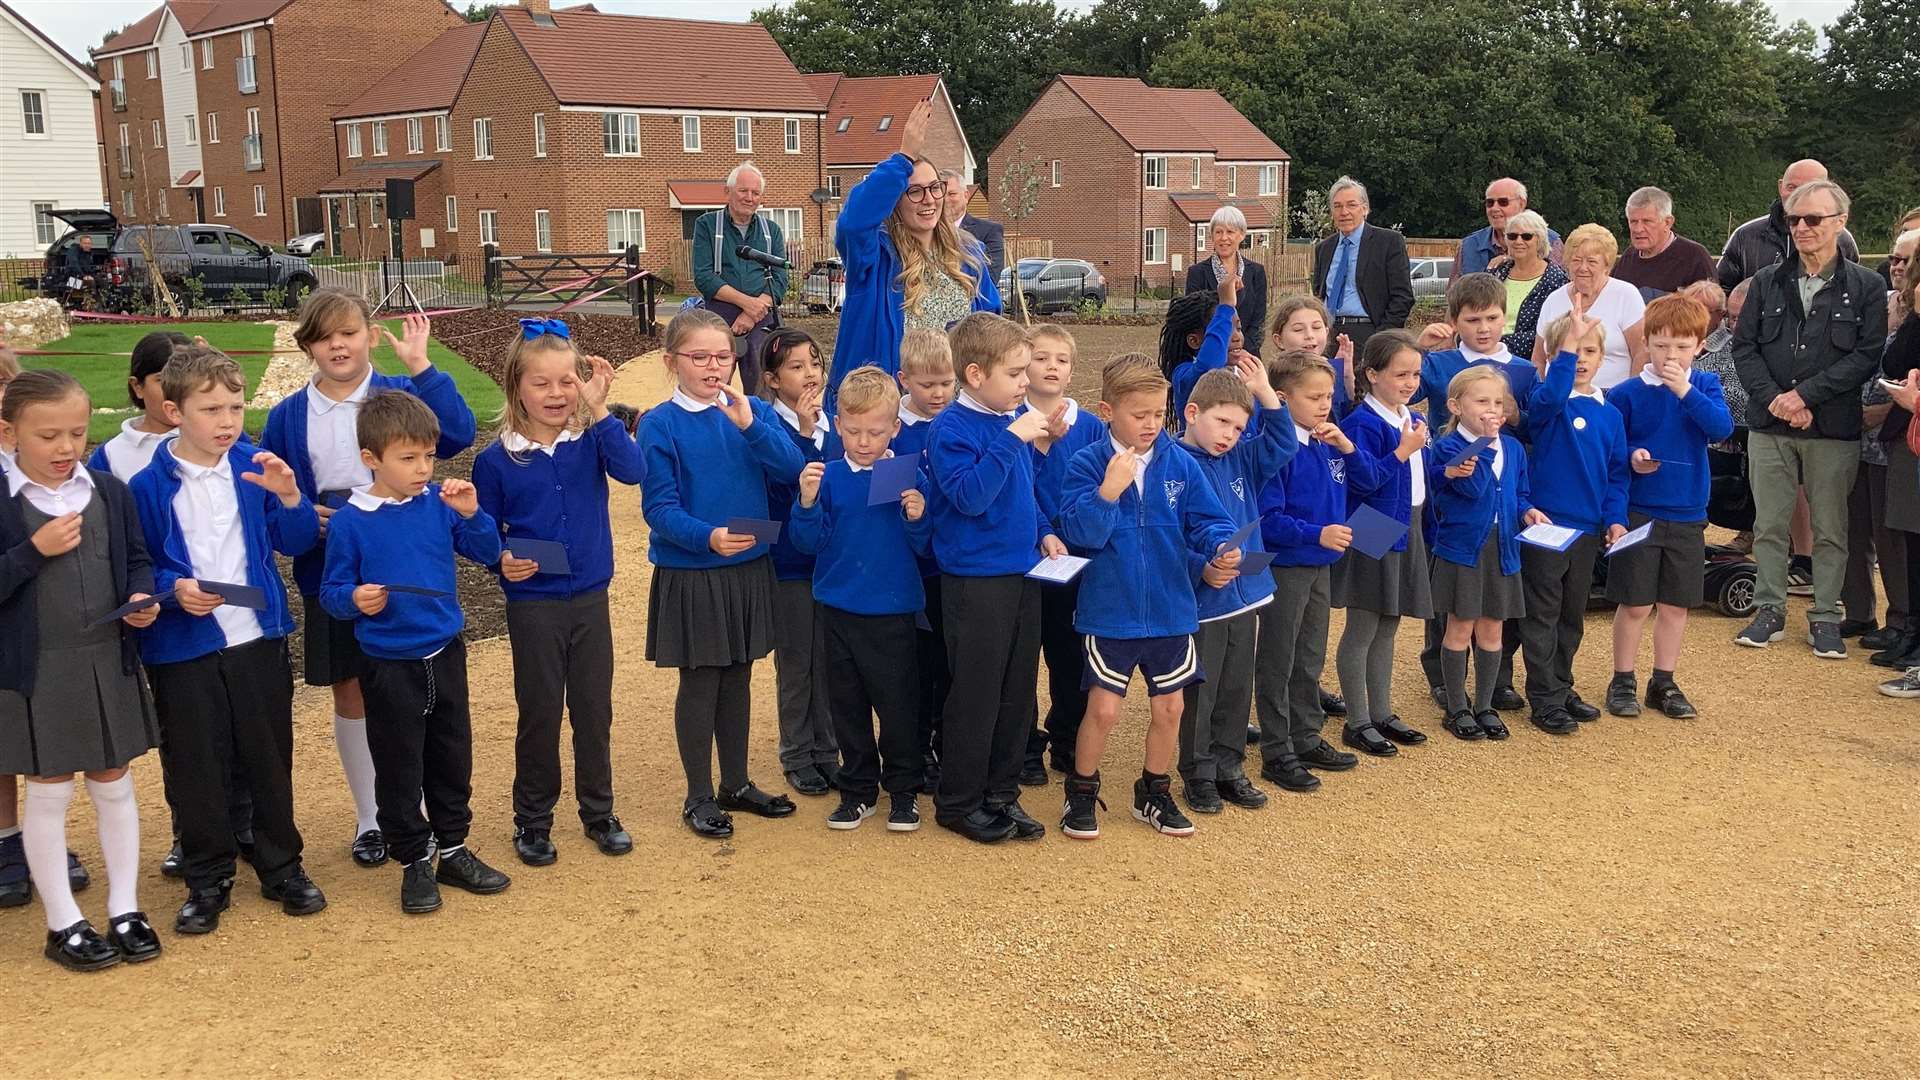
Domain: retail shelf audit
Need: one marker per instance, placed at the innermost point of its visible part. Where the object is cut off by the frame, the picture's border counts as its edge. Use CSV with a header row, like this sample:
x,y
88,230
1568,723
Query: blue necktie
x,y
1342,265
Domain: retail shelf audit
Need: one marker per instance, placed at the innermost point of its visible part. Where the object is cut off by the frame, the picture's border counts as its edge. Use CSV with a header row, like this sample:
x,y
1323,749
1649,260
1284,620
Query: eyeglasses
x,y
923,192
1501,201
1892,260
1811,221
1520,236
701,359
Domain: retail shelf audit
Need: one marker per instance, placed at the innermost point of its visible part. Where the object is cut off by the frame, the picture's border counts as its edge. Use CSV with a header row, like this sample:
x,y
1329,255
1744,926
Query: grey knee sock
x,y
1351,662
1486,676
1380,669
1453,666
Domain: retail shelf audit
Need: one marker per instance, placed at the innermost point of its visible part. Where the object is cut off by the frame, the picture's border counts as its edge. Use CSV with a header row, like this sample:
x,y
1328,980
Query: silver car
x,y
1430,276
309,244
1054,284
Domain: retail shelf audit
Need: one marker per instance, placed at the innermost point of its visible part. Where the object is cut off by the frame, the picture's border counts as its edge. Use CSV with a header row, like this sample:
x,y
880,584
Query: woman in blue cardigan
x,y
906,264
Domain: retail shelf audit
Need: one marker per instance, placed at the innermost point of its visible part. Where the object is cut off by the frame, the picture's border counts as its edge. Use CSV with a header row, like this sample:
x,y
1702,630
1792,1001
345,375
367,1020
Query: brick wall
x,y
224,162
1096,212
144,105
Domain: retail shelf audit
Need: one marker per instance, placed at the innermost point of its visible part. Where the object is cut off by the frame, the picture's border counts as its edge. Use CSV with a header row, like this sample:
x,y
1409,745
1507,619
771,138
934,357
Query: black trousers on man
x,y
421,737
562,658
993,649
1556,584
225,718
873,668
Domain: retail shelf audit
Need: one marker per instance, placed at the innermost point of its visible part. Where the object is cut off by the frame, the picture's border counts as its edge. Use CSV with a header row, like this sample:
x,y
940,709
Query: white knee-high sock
x,y
119,821
350,737
43,831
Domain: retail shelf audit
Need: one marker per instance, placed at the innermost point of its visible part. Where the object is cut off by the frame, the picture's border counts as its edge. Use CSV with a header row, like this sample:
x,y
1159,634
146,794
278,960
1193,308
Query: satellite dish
x,y
821,196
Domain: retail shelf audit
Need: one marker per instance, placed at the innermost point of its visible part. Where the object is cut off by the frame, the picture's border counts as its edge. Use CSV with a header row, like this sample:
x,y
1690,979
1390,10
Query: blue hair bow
x,y
533,328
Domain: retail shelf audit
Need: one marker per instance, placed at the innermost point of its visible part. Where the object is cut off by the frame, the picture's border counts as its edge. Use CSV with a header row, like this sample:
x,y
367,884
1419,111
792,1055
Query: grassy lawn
x,y
103,370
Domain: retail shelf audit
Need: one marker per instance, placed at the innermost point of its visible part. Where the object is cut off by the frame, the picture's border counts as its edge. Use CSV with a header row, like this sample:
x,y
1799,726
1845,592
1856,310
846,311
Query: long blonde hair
x,y
948,253
513,412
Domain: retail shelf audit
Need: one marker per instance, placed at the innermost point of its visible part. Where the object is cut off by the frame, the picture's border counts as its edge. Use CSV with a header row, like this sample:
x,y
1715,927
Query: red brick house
x,y
864,118
212,109
1130,174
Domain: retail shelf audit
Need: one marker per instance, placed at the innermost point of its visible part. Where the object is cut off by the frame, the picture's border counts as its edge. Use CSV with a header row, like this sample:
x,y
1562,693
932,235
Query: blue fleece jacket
x,y
1466,507
912,442
1237,477
562,497
1579,468
701,470
407,543
1309,494
789,562
265,524
1148,547
1439,367
986,514
1050,468
1391,492
286,436
1211,357
864,556
1677,429
872,321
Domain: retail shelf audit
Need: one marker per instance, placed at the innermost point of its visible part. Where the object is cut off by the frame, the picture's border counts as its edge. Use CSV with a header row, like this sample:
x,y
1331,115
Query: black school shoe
x,y
1857,627
1439,696
370,849
419,892
535,847
608,835
462,869
1240,792
1668,699
1507,699
133,938
1203,796
807,781
201,913
1324,756
1368,739
1463,726
982,826
1555,721
1396,729
16,889
1333,704
752,800
1024,826
174,865
297,895
1033,773
1287,771
79,948
1580,710
77,876
1875,640
1623,698
1491,723
706,819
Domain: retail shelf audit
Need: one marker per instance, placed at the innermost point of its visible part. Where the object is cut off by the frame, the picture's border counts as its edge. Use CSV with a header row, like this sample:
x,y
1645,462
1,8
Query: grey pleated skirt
x,y
1398,584
1480,591
711,618
1903,487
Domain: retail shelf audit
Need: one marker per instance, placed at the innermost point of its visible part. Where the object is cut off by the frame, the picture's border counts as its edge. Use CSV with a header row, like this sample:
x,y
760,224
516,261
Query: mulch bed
x,y
481,335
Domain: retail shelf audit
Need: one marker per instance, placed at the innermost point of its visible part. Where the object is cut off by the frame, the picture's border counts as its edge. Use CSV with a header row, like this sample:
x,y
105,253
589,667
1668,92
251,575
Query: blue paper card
x,y
1469,450
1675,464
1374,533
417,590
1551,537
127,609
891,477
1240,538
1255,562
765,532
245,596
551,556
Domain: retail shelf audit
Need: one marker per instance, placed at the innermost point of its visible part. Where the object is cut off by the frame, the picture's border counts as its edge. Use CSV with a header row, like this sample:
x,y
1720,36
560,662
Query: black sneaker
x,y
1024,827
849,814
419,893
1827,641
1623,697
1153,803
609,836
1668,699
1078,819
1203,796
462,869
1580,710
535,847
905,814
1768,626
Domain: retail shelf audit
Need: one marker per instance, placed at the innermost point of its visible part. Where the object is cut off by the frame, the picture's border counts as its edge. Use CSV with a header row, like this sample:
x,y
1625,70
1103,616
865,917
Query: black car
x,y
222,258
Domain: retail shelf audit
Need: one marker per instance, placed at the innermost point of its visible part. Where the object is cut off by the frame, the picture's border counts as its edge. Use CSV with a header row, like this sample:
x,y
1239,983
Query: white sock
x,y
119,821
350,737
43,830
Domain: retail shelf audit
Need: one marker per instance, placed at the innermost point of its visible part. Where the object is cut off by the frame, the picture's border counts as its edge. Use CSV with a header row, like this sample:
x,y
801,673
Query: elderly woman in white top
x,y
1591,252
1225,231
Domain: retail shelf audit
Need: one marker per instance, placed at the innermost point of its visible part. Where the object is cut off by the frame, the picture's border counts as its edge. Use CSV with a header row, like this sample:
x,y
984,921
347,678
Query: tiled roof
x,y
864,102
188,178
375,177
1234,137
140,33
1157,120
427,81
696,194
823,84
196,17
1199,209
589,58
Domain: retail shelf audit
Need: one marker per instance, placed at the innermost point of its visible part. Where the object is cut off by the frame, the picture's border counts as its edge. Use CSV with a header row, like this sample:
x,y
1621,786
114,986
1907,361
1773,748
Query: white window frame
x,y
543,230
416,135
119,70
490,227
442,132
1151,164
160,197
259,200
246,43
539,134
126,204
376,210
379,138
833,185
453,213
791,135
1200,235
1269,179
190,125
690,133
1151,237
1056,172
153,63
253,121
886,123
353,140
1196,171
743,134
125,137
39,101
791,219
46,228
616,140
353,211
1233,180
845,123
213,127
631,221
206,54
219,202
159,139
186,58
483,138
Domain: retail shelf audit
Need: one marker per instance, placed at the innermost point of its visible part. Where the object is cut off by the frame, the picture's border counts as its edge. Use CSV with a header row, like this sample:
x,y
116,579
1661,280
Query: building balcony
x,y
256,158
118,90
243,70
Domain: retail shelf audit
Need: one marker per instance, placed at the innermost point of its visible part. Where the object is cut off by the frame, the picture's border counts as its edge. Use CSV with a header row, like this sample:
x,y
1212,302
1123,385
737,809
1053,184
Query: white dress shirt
x,y
908,417
515,443
333,438
792,418
69,498
1139,474
208,509
1418,462
688,402
128,452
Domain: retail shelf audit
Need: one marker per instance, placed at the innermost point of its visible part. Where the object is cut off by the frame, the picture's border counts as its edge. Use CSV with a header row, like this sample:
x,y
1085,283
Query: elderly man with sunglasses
x,y
1810,334
1485,251
1766,241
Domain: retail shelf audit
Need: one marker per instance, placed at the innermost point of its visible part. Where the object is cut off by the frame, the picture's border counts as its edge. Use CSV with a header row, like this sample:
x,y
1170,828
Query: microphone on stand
x,y
746,251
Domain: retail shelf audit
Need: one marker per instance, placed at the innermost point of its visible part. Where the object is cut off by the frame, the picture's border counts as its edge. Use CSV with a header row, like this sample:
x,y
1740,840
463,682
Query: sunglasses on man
x,y
1811,221
1503,200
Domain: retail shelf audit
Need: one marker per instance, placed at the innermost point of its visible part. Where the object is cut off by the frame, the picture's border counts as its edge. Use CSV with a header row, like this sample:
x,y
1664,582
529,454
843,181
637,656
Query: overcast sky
x,y
79,24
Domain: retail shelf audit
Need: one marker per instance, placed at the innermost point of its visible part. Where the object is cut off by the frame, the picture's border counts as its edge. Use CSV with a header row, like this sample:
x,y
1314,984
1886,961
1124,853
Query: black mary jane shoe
x,y
79,948
133,937
1368,739
1396,729
1491,723
706,819
752,800
370,849
1461,725
201,913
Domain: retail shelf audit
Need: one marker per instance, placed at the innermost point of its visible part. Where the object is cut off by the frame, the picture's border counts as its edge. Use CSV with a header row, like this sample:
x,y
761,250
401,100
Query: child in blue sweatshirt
x,y
1671,413
545,478
1579,473
1187,349
867,581
1303,515
127,453
1048,376
1377,593
1149,516
926,387
1224,405
1480,507
390,575
793,382
215,510
709,453
988,532
312,430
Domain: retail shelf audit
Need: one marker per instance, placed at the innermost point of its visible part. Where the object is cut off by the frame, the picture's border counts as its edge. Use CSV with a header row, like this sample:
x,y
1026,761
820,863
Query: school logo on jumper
x,y
1338,467
1239,487
1174,488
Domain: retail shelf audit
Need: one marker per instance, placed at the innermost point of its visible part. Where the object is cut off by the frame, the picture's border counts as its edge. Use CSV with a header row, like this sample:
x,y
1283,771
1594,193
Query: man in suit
x,y
1361,271
991,234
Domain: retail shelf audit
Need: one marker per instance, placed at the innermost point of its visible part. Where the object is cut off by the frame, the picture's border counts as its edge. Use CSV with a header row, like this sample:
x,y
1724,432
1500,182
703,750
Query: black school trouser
x,y
1066,662
562,657
872,667
1556,584
993,648
421,738
228,715
935,680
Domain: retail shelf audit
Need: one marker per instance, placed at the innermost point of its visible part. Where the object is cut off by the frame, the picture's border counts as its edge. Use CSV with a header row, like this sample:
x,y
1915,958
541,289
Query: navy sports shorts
x,y
1169,663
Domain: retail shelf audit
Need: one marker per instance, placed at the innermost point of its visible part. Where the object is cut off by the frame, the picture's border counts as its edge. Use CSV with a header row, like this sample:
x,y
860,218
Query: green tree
x,y
1122,37
480,12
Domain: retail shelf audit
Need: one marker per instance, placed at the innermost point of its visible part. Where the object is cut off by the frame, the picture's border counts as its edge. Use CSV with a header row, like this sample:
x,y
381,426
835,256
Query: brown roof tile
x,y
1157,120
590,58
427,81
697,194
1234,137
196,17
1199,209
375,177
864,102
133,37
823,84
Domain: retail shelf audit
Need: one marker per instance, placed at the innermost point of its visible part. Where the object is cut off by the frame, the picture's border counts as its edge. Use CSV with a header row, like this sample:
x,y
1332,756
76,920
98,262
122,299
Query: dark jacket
x,y
20,564
1765,242
1252,301
1902,355
1382,274
1825,352
992,236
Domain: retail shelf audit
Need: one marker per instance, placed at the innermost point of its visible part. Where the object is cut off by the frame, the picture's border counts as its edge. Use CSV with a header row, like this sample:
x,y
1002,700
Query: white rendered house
x,y
49,140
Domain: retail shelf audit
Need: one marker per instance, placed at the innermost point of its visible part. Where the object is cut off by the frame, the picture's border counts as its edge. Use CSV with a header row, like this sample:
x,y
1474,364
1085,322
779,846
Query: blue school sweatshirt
x,y
1391,487
1050,468
1237,477
406,543
1309,494
1148,548
1672,429
286,436
266,526
701,471
912,441
1211,357
559,496
789,562
981,496
1465,508
1579,456
864,556
1440,366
